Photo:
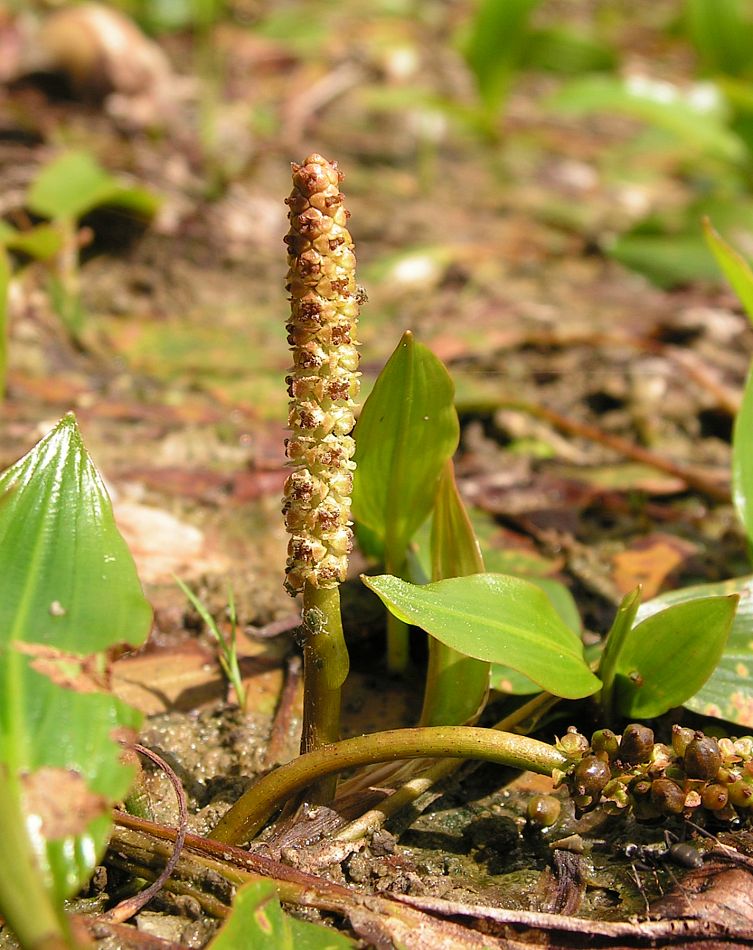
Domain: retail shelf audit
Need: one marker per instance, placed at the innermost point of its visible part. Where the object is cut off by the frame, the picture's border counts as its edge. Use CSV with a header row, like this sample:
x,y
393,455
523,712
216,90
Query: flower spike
x,y
324,381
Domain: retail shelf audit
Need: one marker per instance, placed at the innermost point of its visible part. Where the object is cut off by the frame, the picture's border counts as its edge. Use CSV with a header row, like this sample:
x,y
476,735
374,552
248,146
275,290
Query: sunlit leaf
x,y
68,591
496,618
666,659
407,430
511,681
257,922
728,693
74,183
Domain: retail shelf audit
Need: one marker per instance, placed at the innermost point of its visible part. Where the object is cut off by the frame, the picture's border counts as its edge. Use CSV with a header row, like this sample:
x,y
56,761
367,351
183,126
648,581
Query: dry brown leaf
x,y
648,562
83,674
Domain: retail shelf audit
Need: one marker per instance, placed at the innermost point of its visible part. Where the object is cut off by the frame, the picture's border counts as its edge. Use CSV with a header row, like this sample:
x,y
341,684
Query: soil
x,y
493,254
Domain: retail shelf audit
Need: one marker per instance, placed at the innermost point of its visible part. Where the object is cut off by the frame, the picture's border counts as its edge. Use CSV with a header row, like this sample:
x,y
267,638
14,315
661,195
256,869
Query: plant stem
x,y
325,668
457,685
251,812
398,644
419,783
27,905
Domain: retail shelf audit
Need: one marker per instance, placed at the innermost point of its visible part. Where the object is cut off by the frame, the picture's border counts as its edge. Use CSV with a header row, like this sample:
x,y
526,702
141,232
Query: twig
x,y
693,477
132,905
280,732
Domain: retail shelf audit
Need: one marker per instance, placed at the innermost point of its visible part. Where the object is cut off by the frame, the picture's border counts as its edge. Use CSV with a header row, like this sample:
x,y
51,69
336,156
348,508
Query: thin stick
x,y
132,905
281,727
693,477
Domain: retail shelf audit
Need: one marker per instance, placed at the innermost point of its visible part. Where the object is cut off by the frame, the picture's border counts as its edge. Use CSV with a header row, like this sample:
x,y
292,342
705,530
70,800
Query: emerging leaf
x,y
733,265
456,685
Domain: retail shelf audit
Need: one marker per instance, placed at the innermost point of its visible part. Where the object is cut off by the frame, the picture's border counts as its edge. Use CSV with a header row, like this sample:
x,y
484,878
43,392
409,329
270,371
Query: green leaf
x,y
74,183
456,685
494,46
721,34
733,265
728,693
615,642
496,618
407,430
666,659
561,50
40,242
698,124
667,259
258,922
507,680
68,591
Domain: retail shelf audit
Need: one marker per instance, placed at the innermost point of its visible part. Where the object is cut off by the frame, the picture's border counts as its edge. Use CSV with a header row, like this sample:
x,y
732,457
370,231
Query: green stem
x,y
521,720
398,648
26,903
325,668
254,808
398,643
621,626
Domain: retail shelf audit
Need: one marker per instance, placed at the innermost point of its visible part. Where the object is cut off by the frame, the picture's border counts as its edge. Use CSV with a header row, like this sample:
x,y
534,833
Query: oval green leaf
x,y
74,183
728,693
497,618
666,659
407,430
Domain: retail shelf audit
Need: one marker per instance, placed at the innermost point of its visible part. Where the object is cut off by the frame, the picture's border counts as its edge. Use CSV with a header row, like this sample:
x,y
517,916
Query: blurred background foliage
x,y
619,125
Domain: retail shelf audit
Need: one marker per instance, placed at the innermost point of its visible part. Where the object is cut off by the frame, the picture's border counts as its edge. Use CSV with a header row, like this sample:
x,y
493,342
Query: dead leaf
x,y
83,674
648,562
189,676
